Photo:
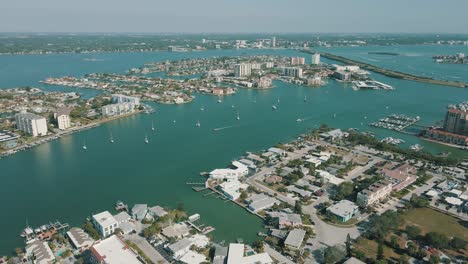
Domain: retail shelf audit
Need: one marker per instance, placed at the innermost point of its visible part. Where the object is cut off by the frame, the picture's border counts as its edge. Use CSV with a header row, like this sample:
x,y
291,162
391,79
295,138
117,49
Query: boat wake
x,y
223,128
369,59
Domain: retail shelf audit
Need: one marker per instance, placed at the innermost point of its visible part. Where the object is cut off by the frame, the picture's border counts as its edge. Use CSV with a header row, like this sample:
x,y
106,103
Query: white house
x,y
238,170
105,223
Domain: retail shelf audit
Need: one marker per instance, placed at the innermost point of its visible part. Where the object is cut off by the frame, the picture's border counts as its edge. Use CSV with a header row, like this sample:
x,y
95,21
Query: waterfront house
x,y
220,255
192,257
112,250
180,248
105,223
41,251
344,210
232,189
332,135
79,238
285,220
238,170
139,211
236,256
294,239
157,211
261,201
176,231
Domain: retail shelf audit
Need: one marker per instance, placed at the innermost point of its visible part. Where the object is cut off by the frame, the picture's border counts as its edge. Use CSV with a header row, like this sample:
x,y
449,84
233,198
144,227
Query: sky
x,y
235,16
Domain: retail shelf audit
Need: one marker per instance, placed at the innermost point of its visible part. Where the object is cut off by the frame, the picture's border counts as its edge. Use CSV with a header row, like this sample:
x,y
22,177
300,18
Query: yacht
x,y
238,117
274,107
298,120
111,139
84,145
416,147
146,139
219,101
198,123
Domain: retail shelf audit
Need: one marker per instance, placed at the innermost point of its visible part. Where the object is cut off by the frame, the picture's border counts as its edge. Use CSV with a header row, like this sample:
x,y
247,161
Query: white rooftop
x,y
104,219
114,251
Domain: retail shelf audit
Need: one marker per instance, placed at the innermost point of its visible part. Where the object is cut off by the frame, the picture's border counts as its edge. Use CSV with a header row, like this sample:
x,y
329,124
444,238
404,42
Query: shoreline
x,y
388,72
46,139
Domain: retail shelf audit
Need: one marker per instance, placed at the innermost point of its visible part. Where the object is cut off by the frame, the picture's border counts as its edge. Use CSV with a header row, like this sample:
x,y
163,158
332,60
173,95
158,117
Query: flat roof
x,y
114,251
104,219
295,238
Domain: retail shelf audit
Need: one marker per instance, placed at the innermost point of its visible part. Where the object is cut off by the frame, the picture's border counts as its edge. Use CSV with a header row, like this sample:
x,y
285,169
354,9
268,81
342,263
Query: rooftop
x,y
104,219
295,238
343,208
113,250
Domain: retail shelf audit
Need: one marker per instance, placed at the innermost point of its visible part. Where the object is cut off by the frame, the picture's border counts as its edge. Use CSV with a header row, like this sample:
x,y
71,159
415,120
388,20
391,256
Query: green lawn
x,y
432,221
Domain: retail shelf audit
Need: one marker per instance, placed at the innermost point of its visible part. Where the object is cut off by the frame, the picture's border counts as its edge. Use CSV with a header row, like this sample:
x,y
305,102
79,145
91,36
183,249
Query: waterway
x,y
59,180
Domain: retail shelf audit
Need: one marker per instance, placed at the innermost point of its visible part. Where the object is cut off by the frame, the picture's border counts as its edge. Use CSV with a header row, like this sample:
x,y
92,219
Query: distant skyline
x,y
235,16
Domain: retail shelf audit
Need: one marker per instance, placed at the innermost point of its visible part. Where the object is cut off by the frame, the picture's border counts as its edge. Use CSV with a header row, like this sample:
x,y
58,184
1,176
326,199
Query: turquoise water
x,y
59,180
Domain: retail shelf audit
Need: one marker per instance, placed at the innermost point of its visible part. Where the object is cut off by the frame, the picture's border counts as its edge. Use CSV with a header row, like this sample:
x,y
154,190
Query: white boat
x,y
232,106
202,108
198,123
305,98
416,147
111,138
174,121
298,120
219,101
152,126
334,115
278,100
146,139
84,145
238,117
274,107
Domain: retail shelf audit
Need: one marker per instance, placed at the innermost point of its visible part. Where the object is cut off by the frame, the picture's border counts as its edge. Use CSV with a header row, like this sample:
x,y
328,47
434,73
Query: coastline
x,y
46,139
387,72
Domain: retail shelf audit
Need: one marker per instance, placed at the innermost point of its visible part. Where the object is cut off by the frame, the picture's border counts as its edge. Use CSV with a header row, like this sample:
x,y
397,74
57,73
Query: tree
x,y
434,259
412,231
394,242
333,254
419,201
457,243
348,245
243,195
380,250
258,245
403,259
298,208
379,226
344,190
437,240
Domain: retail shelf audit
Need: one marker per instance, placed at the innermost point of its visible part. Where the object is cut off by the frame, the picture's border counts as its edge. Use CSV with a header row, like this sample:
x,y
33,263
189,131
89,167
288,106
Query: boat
x,y
28,231
416,147
274,107
278,100
202,108
305,98
219,101
111,138
334,115
238,117
152,126
174,121
198,123
232,106
146,139
84,145
298,120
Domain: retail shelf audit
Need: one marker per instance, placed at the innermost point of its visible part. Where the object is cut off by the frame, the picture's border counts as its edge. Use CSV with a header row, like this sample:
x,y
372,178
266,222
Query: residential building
x,y
242,70
300,192
220,255
232,188
297,61
374,193
176,231
316,81
342,76
316,59
286,220
139,211
62,116
238,170
180,248
344,210
446,137
332,135
120,98
401,177
118,109
353,260
79,238
157,211
41,251
294,239
456,119
113,250
292,71
105,223
273,42
32,124
264,82
236,256
261,201
192,257
8,139
269,64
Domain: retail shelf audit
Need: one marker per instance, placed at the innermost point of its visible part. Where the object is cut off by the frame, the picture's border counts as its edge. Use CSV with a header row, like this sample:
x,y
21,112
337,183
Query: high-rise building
x,y
242,69
62,116
456,119
32,124
292,72
118,109
264,82
297,61
273,42
120,98
316,59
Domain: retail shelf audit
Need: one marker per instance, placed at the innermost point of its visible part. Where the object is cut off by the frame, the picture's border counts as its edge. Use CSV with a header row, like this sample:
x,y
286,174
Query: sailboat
x,y
84,145
238,117
111,138
198,123
146,139
152,125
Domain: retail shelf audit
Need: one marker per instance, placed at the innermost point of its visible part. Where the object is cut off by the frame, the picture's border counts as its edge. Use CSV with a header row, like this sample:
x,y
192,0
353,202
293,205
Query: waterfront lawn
x,y
430,220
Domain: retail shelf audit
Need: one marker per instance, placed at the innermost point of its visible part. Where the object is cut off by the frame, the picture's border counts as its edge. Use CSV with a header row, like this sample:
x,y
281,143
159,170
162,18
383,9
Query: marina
x,y
396,122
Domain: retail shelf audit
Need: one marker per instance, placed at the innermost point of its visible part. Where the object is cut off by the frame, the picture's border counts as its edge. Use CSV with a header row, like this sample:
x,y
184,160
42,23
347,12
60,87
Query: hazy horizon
x,y
235,17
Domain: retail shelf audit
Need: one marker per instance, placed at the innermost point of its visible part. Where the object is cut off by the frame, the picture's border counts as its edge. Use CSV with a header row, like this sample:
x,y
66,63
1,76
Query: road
x,y
147,248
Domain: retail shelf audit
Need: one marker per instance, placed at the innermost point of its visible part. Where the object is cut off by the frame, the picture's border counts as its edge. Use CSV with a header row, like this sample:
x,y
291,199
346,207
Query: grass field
x,y
432,221
369,247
